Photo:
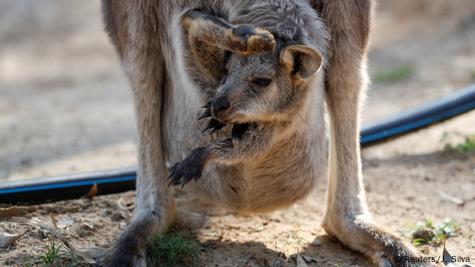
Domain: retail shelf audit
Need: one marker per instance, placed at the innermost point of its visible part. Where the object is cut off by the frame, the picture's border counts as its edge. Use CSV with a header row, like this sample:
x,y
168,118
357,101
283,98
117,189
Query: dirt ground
x,y
65,107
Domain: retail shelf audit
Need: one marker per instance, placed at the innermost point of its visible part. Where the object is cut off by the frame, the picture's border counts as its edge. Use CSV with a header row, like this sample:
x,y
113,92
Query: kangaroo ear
x,y
302,61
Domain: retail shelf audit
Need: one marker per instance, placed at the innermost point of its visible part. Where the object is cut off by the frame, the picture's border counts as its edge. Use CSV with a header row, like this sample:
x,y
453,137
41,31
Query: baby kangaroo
x,y
263,95
233,93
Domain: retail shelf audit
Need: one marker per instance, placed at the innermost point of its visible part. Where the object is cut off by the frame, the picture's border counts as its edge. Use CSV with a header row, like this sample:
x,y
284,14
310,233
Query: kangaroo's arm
x,y
246,141
206,29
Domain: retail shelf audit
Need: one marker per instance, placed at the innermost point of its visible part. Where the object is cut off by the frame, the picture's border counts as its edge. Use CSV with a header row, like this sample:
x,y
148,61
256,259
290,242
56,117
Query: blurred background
x,y
66,107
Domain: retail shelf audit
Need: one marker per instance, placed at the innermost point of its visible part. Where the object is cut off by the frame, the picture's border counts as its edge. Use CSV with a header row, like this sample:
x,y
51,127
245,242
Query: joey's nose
x,y
220,104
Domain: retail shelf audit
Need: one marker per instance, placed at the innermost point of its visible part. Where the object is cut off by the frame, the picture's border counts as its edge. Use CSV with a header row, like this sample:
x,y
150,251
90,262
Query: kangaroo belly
x,y
286,174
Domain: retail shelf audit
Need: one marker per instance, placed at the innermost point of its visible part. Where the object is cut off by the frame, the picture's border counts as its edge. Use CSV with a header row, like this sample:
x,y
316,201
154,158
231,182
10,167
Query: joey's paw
x,y
249,40
190,168
213,124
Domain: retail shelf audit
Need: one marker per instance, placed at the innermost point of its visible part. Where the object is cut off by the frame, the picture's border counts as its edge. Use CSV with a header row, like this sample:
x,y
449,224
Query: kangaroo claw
x,y
205,114
214,125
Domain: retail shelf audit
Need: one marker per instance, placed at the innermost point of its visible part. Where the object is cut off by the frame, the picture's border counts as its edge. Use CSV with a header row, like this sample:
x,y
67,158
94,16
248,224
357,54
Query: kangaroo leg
x,y
347,215
141,55
154,202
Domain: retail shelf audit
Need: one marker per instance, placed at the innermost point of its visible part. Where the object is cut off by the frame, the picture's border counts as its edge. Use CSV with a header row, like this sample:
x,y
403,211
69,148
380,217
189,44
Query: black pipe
x,y
430,113
74,186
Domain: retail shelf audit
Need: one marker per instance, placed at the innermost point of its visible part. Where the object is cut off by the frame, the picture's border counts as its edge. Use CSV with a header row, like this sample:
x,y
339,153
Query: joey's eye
x,y
261,81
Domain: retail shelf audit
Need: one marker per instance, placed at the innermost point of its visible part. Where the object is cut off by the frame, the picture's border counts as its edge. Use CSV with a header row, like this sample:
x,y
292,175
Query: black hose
x,y
74,186
420,117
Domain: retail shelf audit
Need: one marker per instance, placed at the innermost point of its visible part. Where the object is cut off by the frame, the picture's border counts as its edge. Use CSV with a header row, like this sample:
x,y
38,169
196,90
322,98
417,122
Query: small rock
x,y
316,242
64,222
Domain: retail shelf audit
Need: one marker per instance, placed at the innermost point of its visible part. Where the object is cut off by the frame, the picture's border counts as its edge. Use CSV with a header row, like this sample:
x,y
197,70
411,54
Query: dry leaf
x,y
450,198
92,192
300,261
7,239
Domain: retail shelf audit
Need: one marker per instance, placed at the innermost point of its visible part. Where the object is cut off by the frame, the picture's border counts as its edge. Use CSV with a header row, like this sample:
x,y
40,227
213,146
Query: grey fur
x,y
176,62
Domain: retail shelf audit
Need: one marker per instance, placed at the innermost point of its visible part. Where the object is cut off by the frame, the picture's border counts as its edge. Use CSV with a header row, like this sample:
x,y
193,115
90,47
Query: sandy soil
x,y
65,107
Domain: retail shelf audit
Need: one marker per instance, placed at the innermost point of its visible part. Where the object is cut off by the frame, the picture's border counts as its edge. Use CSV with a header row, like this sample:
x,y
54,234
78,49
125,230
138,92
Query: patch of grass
x,y
428,233
467,145
52,254
171,249
396,74
56,255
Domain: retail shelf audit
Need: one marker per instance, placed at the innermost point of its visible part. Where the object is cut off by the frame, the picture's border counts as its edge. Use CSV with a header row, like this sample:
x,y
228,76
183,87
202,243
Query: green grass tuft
x,y
466,146
428,233
57,255
52,254
397,74
171,249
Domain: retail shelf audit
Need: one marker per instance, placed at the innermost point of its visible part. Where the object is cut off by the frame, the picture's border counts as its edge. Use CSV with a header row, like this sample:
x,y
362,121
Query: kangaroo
x,y
256,75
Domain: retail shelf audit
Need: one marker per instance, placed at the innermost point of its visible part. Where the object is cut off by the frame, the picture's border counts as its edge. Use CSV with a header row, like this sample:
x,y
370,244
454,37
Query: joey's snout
x,y
219,108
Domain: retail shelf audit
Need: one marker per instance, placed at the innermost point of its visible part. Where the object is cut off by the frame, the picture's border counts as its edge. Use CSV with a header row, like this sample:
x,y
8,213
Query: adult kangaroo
x,y
258,74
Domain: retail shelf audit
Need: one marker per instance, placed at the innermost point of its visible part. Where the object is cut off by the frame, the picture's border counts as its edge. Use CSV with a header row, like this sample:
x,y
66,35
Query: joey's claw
x,y
205,114
214,125
207,105
190,168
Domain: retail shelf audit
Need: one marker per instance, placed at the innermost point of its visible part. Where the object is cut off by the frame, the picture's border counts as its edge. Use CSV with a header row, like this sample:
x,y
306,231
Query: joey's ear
x,y
302,61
